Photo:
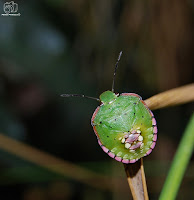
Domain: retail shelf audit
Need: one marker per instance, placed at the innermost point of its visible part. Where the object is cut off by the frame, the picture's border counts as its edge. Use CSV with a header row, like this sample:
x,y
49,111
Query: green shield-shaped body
x,y
125,127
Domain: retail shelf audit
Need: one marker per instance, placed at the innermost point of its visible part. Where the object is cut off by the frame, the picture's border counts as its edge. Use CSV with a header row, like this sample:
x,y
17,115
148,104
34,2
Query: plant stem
x,y
171,97
136,180
54,164
179,163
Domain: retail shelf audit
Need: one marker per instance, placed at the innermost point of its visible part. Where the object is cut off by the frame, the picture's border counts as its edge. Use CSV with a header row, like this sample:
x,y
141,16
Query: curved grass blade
x,y
179,163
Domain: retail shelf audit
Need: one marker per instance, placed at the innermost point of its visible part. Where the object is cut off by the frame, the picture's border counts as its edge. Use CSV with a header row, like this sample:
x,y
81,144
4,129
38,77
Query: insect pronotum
x,y
125,127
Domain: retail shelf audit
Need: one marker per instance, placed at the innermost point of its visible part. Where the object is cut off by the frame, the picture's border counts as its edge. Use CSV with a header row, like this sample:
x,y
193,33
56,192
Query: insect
x,y
125,127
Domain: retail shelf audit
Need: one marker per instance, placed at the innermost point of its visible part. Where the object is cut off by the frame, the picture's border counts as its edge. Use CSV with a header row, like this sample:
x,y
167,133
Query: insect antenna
x,y
116,66
79,95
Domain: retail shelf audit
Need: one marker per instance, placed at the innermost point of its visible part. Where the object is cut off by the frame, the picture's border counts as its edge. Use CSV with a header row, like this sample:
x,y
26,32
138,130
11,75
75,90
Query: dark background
x,y
57,47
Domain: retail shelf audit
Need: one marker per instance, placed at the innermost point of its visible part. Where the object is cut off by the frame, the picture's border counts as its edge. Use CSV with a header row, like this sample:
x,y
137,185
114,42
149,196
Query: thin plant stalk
x,y
54,164
136,180
179,163
173,97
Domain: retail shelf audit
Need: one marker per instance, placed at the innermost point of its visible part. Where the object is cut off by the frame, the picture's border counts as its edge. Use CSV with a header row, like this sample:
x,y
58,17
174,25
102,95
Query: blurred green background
x,y
57,47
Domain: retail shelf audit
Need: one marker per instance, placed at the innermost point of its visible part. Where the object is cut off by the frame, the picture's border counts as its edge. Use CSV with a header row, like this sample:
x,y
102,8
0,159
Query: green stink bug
x,y
125,127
